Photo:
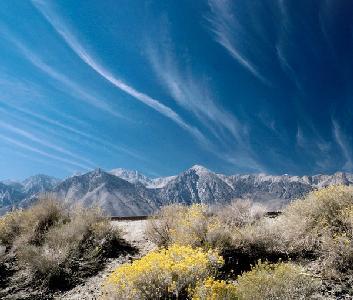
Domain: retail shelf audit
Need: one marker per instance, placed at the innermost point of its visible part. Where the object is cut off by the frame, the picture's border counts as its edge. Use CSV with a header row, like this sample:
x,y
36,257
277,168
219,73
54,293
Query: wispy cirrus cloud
x,y
77,91
33,149
63,30
41,121
344,145
45,142
226,30
20,152
192,92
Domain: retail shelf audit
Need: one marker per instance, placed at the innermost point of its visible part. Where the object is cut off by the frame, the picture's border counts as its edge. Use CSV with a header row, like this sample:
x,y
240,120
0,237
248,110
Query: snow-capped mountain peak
x,y
200,169
131,176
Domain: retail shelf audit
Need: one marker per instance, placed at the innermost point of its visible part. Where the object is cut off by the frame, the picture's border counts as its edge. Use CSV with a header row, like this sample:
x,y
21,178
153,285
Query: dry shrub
x,y
263,235
158,227
60,246
321,224
336,247
238,230
241,212
336,255
187,225
253,242
10,227
318,214
164,274
281,281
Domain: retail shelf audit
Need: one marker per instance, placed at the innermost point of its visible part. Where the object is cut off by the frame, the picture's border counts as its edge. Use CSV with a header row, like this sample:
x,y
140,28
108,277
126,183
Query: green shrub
x,y
281,281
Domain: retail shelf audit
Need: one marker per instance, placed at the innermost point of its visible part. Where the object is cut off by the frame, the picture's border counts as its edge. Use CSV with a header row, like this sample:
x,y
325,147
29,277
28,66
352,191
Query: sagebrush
x,y
57,245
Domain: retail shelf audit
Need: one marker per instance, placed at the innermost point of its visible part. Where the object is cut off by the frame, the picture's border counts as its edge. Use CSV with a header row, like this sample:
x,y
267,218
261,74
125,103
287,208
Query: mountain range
x,y
122,192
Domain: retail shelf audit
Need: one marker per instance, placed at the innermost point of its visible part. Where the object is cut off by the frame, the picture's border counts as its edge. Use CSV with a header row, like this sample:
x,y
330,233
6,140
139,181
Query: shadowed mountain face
x,y
127,193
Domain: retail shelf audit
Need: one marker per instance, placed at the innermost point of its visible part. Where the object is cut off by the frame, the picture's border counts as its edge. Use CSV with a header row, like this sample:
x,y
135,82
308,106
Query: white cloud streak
x,y
40,160
224,27
41,152
77,91
77,47
191,93
344,145
101,142
45,143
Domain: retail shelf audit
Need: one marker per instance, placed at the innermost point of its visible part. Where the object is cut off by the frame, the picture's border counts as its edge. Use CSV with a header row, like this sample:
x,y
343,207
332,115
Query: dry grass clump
x,y
187,225
59,246
281,281
165,274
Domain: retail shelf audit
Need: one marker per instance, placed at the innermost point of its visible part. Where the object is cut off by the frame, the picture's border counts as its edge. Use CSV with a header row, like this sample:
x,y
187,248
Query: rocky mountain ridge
x,y
123,192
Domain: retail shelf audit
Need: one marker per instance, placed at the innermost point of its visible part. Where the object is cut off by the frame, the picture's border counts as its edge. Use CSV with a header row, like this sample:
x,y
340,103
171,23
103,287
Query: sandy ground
x,y
133,231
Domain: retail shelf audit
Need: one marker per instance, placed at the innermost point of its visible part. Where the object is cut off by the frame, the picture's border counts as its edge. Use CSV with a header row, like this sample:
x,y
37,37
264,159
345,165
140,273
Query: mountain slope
x,y
131,176
21,194
114,195
136,177
196,185
9,196
122,192
38,184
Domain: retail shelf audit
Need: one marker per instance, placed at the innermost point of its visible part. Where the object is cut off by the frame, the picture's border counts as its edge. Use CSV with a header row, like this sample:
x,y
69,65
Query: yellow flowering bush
x,y
281,281
212,289
193,226
161,274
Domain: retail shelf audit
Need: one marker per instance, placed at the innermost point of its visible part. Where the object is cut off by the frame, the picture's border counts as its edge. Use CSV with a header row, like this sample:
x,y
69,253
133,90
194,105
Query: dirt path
x,y
133,231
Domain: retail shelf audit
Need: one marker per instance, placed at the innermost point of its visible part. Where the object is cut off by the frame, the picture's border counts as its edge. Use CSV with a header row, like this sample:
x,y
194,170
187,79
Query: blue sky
x,y
157,86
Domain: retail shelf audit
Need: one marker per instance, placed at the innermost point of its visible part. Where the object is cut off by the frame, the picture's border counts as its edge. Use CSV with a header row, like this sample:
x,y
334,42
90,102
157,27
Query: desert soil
x,y
133,231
